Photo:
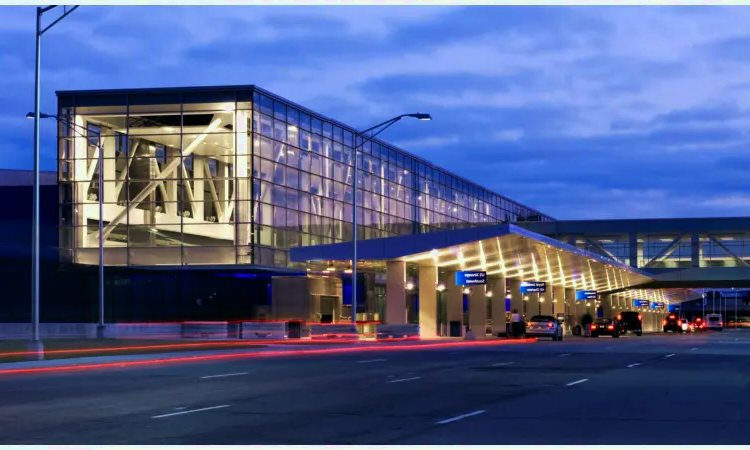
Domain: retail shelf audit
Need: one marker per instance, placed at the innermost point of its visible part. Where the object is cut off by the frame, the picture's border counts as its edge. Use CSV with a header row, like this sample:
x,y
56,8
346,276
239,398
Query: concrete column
x,y
454,299
240,200
395,293
478,310
546,305
532,305
559,299
199,187
498,305
428,302
516,298
607,310
572,316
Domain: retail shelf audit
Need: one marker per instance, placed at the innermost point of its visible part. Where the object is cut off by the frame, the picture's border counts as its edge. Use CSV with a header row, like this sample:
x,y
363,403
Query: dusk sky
x,y
580,112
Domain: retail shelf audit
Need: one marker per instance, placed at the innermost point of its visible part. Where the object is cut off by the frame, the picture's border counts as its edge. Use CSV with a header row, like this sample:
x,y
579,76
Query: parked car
x,y
605,326
544,326
630,321
715,322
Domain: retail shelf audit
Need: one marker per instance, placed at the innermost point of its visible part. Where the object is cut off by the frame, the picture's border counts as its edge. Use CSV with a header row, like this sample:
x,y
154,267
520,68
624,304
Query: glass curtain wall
x,y
200,176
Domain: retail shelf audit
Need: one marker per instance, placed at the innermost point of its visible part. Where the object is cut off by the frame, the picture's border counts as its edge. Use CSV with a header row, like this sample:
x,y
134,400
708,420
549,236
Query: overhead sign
x,y
640,303
528,287
470,278
657,305
586,295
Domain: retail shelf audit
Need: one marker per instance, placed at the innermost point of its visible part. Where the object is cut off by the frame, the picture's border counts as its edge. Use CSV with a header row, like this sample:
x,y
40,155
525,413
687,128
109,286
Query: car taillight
x,y
640,317
550,325
679,322
592,326
619,317
610,327
721,323
664,322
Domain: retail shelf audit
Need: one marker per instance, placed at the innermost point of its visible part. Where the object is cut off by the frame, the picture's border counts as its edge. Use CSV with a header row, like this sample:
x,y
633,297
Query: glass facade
x,y
201,176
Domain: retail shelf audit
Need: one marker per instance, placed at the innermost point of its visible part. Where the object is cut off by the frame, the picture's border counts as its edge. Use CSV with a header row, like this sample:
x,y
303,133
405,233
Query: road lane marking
x,y
577,382
403,379
189,411
372,360
502,364
565,354
225,375
463,416
633,365
670,355
696,348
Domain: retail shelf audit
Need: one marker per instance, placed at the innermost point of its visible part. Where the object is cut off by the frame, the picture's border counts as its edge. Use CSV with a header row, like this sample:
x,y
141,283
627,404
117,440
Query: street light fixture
x,y
100,162
36,344
357,145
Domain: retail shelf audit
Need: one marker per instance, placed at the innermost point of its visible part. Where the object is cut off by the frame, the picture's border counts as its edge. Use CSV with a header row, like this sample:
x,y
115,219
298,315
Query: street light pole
x,y
355,190
36,346
100,161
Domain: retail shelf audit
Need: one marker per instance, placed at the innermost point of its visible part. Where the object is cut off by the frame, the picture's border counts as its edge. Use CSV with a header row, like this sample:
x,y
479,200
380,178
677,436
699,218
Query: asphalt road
x,y
653,389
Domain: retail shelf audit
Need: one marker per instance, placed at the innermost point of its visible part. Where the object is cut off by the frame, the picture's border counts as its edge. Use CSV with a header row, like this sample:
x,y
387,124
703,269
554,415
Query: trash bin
x,y
455,328
294,329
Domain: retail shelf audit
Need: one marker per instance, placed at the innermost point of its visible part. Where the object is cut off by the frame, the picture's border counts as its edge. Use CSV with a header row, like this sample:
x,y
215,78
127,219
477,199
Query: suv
x,y
715,322
630,321
672,323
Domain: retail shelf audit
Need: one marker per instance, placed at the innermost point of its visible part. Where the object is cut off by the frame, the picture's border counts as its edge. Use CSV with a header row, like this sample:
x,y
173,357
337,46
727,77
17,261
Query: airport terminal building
x,y
231,203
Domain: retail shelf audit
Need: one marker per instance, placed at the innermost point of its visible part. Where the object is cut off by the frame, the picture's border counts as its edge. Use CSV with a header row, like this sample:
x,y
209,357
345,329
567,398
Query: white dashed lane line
x,y
633,365
565,354
502,364
225,375
189,411
463,416
577,382
403,379
670,355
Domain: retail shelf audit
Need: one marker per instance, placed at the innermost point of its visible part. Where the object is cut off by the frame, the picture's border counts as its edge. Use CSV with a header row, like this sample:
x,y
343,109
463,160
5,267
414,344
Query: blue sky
x,y
580,112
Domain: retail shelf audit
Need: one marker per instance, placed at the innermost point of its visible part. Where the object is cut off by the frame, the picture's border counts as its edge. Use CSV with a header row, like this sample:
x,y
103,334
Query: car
x,y
605,326
672,323
630,321
544,326
700,325
715,322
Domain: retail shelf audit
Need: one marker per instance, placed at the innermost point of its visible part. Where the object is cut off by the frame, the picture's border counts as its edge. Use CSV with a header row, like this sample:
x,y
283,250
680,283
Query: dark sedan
x,y
606,327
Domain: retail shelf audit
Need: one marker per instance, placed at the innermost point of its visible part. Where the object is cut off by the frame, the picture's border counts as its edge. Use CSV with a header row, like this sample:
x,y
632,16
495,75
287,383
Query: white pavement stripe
x,y
670,355
565,354
189,411
502,364
225,375
463,416
696,348
578,382
372,360
403,379
633,365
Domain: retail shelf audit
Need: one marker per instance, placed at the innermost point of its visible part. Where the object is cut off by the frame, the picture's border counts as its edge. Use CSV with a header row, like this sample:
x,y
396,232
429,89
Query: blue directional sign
x,y
657,305
640,303
528,287
586,295
470,278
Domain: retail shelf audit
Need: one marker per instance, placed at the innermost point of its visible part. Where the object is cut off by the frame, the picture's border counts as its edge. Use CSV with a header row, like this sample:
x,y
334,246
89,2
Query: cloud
x,y
586,112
